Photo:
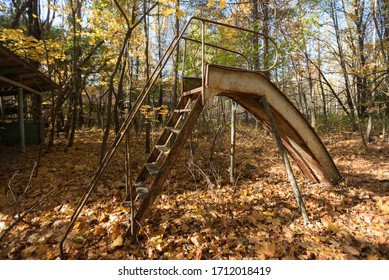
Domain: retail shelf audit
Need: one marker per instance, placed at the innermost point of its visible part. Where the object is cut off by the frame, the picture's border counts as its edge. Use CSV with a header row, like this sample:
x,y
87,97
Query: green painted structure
x,y
20,80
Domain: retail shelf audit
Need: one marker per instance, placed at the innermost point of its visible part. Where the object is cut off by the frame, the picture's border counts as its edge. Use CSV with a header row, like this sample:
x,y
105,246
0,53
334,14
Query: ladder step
x,y
163,148
193,92
180,111
142,192
126,203
152,168
139,184
172,129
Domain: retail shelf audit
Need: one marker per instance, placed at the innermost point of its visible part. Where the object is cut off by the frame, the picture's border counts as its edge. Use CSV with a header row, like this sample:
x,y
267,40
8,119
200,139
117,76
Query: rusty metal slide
x,y
302,143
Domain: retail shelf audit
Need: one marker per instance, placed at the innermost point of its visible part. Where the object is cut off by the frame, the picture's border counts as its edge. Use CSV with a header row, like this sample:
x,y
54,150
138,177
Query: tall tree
x,y
76,112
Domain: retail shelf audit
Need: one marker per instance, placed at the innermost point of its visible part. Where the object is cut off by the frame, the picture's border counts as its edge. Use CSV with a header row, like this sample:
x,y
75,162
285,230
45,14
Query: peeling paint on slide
x,y
248,88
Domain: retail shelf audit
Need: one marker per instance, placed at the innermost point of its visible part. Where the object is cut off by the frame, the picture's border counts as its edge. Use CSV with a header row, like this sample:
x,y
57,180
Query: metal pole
x,y
202,61
234,105
183,66
284,155
128,179
21,121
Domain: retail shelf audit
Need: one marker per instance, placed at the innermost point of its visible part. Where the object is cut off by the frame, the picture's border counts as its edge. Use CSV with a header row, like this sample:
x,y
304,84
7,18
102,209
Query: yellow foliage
x,y
29,46
168,12
211,3
352,16
180,13
222,4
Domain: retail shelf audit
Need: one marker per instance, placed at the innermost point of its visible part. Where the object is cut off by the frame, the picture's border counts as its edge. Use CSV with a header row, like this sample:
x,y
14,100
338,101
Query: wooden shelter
x,y
21,89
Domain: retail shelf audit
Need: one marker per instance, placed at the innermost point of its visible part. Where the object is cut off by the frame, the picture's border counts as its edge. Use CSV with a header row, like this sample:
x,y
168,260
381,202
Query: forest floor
x,y
200,215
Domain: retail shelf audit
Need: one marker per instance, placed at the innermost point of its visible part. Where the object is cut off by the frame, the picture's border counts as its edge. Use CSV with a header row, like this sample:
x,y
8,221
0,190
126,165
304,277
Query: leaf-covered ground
x,y
200,215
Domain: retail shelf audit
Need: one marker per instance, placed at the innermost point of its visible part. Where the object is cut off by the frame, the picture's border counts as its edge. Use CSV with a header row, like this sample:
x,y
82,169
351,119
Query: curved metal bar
x,y
246,30
218,47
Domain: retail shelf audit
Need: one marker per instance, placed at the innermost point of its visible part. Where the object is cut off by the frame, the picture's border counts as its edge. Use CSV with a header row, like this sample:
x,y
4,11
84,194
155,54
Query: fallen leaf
x,y
288,233
117,243
351,250
199,254
184,227
383,206
372,257
254,239
267,248
268,213
197,240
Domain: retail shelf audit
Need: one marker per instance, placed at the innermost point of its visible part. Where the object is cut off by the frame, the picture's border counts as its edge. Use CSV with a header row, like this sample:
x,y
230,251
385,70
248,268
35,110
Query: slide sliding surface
x,y
301,141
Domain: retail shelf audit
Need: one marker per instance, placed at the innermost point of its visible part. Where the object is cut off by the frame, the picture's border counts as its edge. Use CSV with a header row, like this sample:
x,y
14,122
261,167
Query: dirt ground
x,y
200,215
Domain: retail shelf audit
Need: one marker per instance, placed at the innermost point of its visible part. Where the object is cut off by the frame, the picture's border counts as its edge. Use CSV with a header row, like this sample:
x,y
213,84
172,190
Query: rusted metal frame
x,y
163,138
157,185
234,107
284,156
112,149
220,48
203,62
128,179
119,137
306,161
306,133
190,83
246,30
183,66
300,160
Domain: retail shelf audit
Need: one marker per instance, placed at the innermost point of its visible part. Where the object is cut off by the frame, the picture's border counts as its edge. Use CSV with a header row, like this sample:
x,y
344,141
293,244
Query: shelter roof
x,y
16,72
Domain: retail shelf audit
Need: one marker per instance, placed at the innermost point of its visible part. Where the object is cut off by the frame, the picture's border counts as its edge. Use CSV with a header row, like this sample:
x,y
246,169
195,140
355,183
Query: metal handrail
x,y
203,44
220,48
246,30
138,103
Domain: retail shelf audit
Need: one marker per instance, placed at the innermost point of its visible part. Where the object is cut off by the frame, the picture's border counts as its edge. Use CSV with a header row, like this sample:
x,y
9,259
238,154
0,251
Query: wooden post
x,y
284,156
21,120
234,105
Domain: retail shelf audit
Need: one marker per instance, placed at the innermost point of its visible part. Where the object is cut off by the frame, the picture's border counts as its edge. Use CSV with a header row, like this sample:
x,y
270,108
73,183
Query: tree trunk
x,y
350,102
265,30
371,110
76,76
160,86
118,107
147,75
255,22
322,92
176,58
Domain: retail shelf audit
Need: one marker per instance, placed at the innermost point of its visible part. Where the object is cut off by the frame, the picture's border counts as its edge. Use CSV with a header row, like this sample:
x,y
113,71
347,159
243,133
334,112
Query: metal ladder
x,y
155,171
